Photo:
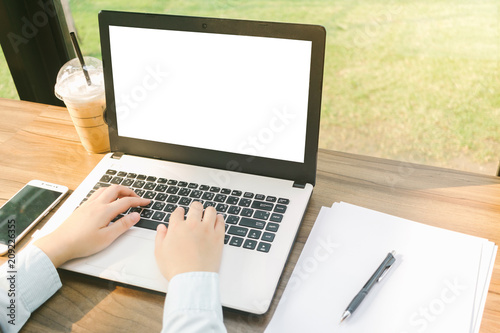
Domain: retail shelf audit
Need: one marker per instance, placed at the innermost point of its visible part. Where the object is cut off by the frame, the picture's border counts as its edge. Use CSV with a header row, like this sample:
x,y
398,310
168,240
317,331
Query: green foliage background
x,y
415,80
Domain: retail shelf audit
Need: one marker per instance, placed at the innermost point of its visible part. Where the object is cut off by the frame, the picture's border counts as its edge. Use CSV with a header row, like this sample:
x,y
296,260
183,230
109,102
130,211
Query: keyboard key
x,y
169,208
272,227
142,177
173,198
248,212
254,234
151,179
111,172
139,192
270,198
264,247
275,217
161,188
182,184
128,182
105,178
250,244
261,215
162,180
236,241
283,201
238,231
172,189
208,196
147,224
116,180
225,191
280,209
234,210
226,238
99,185
220,198
214,189
149,186
261,197
161,196
248,195
268,237
139,183
135,210
122,174
232,200
244,202
247,222
232,219
131,175
149,195
172,182
221,208
147,213
195,194
158,205
193,185
204,187
262,205
236,193
209,204
184,192
159,216
185,201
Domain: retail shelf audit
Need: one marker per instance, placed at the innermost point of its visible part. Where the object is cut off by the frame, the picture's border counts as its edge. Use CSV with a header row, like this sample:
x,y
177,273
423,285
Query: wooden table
x,y
39,142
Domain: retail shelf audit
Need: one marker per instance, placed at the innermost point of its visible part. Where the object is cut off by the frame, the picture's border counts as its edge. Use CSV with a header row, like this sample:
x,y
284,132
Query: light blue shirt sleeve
x,y
193,304
29,282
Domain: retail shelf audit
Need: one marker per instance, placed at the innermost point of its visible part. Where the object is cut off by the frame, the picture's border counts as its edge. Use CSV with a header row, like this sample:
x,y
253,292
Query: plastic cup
x,y
86,103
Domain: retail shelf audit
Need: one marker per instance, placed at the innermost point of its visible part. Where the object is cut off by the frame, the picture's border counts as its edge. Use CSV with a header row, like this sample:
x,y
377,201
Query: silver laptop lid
x,y
230,94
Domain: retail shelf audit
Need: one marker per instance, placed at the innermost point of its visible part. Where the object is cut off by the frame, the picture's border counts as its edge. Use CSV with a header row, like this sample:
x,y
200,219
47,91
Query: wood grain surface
x,y
39,142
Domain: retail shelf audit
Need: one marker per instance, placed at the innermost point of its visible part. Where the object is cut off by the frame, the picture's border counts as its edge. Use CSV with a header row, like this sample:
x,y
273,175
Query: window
x,y
417,81
7,87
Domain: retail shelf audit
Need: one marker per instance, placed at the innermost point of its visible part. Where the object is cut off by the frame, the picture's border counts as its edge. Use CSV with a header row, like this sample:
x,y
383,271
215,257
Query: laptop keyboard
x,y
252,219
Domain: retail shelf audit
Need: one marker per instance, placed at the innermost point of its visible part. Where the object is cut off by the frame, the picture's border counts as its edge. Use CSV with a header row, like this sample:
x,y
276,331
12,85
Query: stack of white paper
x,y
439,282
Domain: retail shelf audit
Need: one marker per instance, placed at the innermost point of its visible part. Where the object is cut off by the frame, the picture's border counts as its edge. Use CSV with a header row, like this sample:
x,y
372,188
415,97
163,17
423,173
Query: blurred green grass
x,y
414,80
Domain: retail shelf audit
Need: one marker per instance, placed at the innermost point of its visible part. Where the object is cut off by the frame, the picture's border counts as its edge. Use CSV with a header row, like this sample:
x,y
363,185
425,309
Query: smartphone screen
x,y
23,209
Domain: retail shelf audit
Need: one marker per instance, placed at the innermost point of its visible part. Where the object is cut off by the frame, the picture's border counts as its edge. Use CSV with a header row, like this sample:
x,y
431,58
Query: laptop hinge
x,y
299,185
117,155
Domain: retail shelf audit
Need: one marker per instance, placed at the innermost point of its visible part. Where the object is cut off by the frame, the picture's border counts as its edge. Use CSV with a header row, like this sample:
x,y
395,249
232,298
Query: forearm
x,y
25,286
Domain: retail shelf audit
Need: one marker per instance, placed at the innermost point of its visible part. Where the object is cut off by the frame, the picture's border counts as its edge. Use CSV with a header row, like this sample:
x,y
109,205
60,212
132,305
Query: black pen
x,y
376,277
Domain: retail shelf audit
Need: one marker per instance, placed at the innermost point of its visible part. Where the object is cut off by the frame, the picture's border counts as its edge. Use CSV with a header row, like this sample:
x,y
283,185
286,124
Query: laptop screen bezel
x,y
300,173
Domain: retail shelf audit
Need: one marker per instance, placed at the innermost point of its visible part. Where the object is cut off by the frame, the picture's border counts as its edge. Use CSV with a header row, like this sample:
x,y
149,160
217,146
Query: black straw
x,y
80,57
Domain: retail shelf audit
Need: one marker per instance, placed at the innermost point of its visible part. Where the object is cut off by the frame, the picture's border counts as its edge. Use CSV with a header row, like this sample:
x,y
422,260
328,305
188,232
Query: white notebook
x,y
438,283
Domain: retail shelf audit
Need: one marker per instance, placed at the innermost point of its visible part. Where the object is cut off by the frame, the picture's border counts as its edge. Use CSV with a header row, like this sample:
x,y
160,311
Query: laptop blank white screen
x,y
230,93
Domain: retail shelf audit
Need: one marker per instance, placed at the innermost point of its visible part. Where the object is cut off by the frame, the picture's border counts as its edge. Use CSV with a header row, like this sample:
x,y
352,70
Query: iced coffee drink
x,y
85,102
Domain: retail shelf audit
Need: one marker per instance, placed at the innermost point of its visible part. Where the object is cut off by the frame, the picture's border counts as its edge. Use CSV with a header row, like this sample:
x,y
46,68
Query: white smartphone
x,y
25,209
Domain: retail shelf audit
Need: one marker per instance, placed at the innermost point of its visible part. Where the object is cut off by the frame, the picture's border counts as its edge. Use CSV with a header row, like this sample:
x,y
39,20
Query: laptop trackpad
x,y
129,257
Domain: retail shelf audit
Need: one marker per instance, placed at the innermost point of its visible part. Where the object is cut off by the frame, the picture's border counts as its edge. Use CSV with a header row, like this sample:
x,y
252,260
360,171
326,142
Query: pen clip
x,y
384,273
387,267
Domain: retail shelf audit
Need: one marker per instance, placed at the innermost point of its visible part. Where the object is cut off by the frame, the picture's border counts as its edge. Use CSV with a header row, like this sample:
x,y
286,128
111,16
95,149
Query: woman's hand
x,y
190,245
88,230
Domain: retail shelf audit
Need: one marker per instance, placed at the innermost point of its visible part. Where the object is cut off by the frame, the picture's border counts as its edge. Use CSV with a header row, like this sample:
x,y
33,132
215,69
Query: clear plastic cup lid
x,y
71,81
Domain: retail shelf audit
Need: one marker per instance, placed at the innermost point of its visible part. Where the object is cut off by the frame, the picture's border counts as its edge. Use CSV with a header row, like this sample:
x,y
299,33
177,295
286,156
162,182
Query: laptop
x,y
221,111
